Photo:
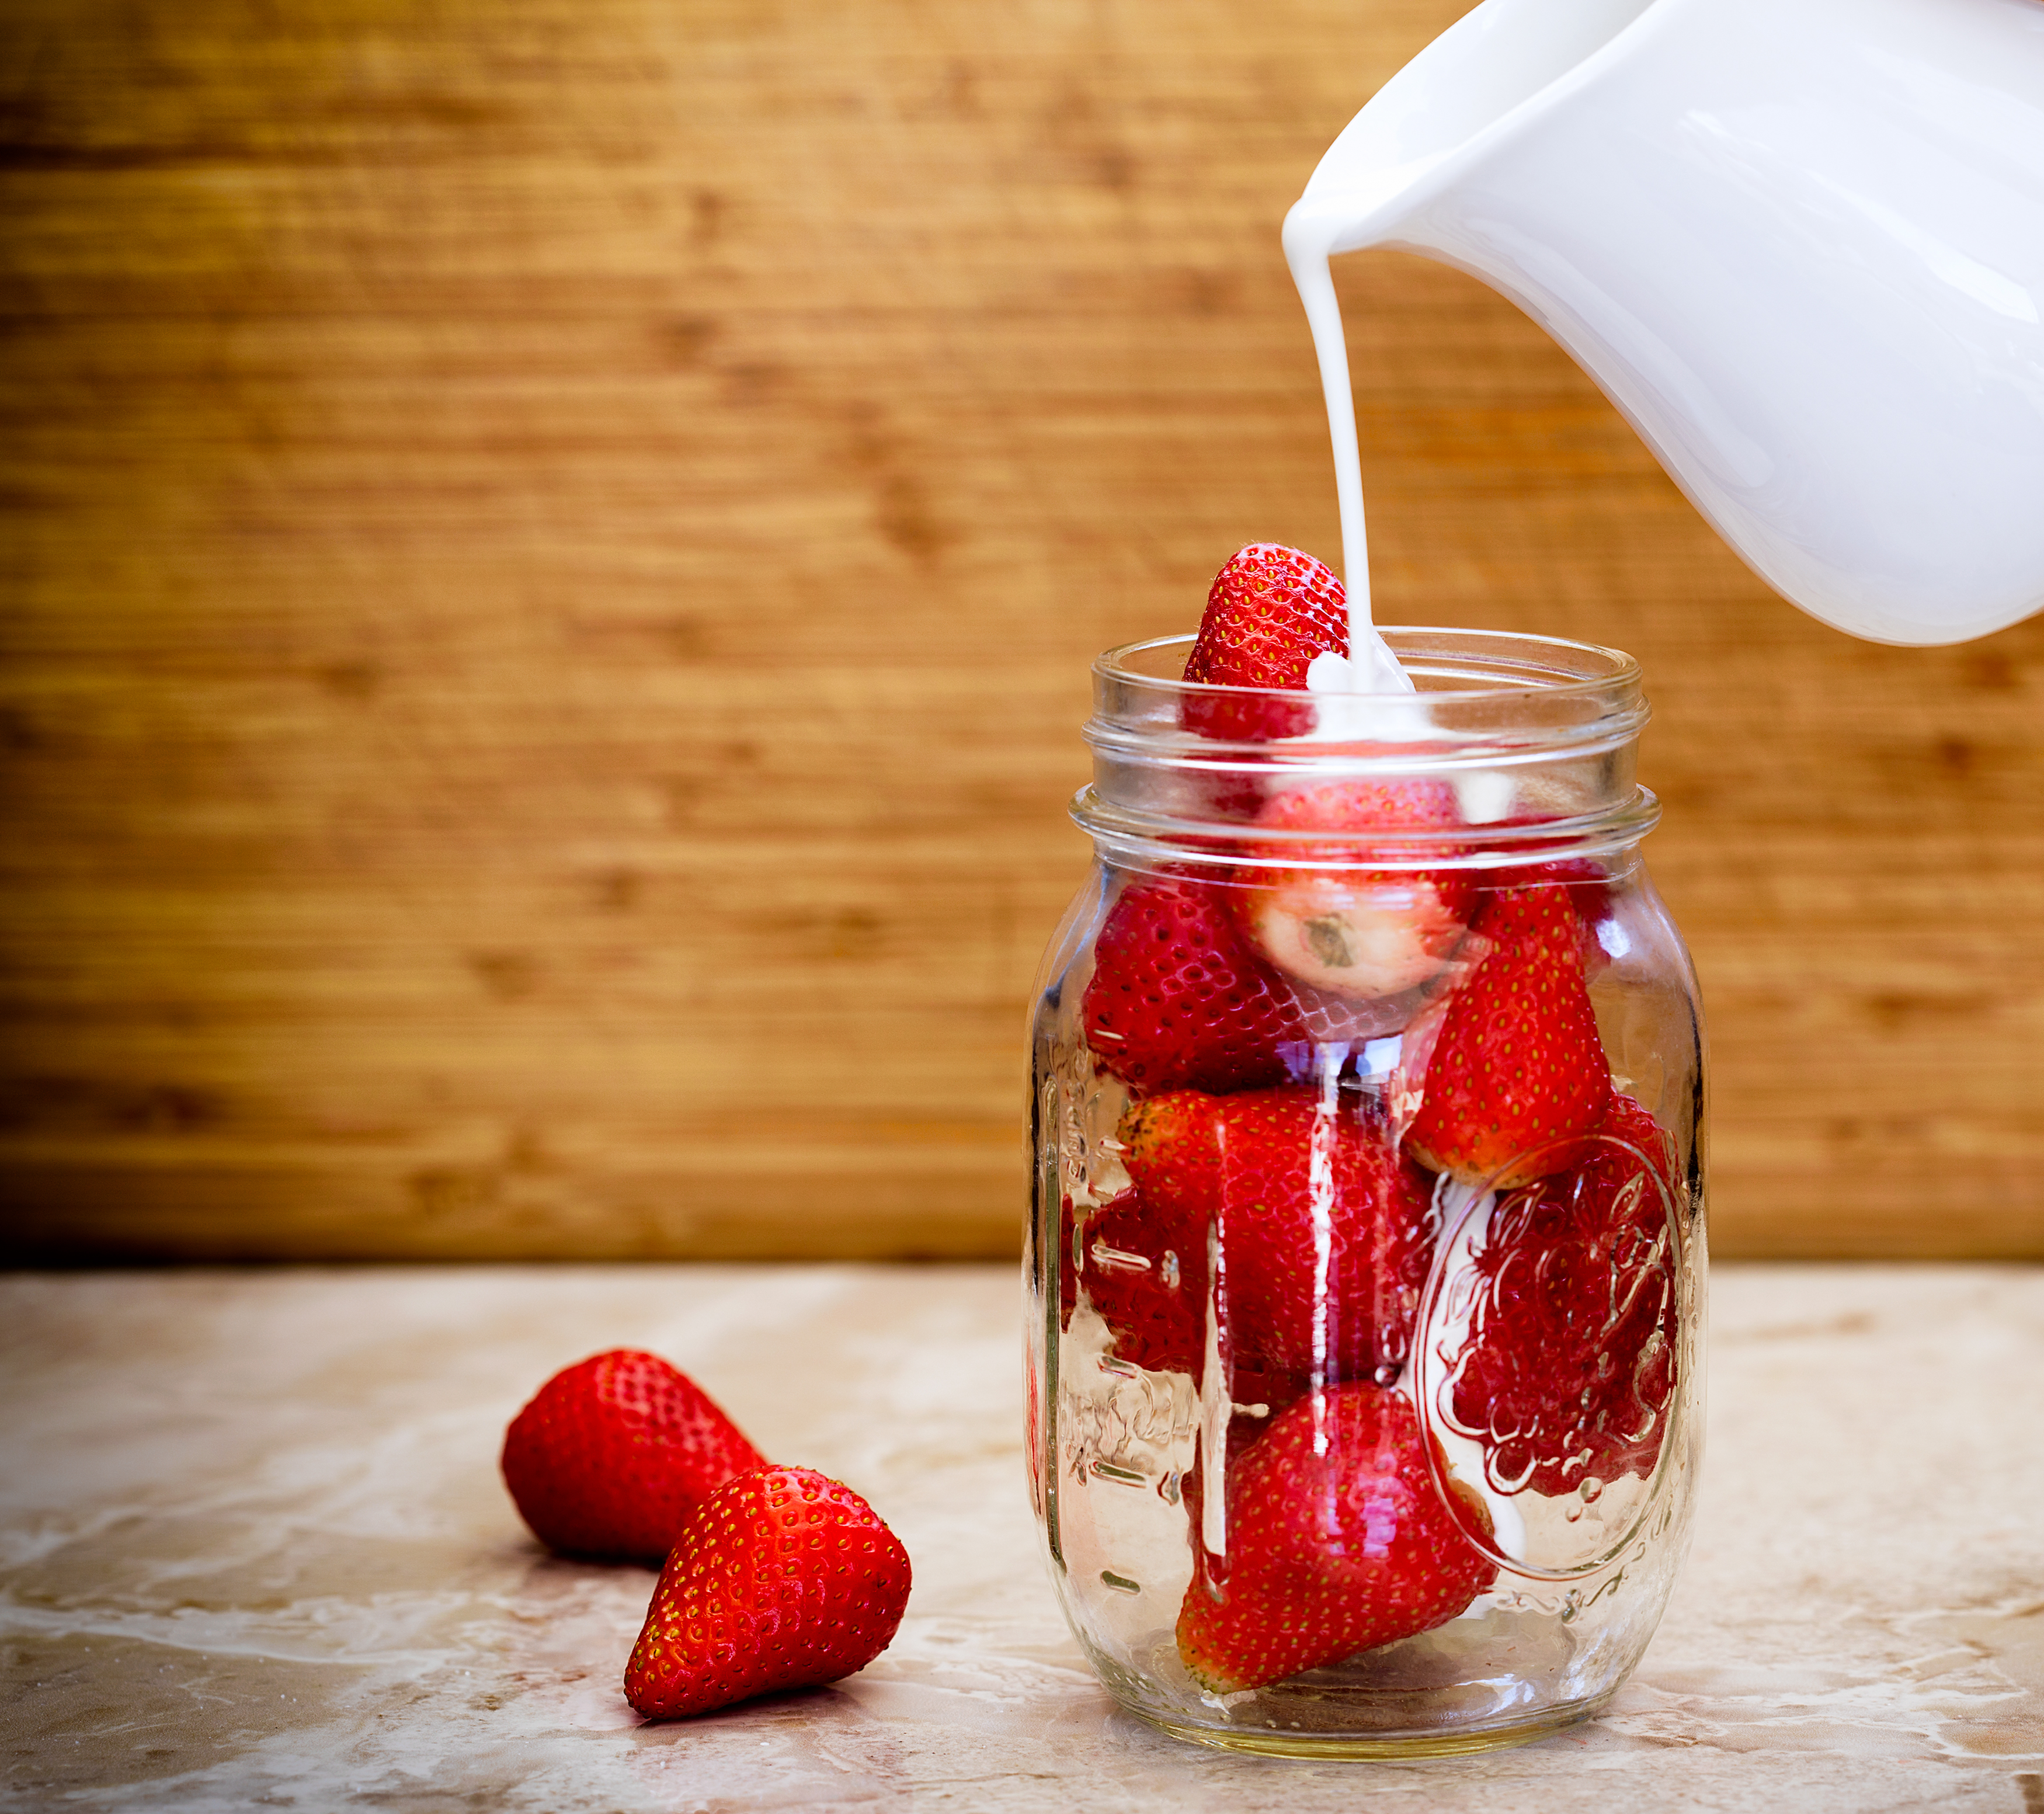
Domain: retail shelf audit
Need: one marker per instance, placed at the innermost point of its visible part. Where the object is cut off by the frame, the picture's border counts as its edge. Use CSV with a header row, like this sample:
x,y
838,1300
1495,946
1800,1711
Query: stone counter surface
x,y
256,1555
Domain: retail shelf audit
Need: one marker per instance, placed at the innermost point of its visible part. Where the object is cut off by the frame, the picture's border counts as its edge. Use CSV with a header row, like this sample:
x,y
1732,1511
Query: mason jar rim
x,y
1523,709
1621,667
1572,678
1156,841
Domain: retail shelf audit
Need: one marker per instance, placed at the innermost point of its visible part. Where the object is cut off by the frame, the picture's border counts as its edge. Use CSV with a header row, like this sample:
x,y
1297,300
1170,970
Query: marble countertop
x,y
256,1555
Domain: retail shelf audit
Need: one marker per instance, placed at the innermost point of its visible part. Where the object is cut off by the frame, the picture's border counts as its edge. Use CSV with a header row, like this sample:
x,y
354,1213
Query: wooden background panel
x,y
551,552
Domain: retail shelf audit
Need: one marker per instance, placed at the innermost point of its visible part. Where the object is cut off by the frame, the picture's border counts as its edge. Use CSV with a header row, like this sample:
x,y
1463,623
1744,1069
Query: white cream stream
x,y
1371,667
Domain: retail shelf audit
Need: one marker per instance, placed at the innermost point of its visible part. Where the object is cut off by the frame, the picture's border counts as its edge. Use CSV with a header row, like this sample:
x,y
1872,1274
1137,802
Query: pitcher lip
x,y
1425,175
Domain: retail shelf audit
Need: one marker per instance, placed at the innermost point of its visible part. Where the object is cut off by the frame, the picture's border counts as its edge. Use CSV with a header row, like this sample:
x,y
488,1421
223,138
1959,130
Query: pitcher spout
x,y
1799,244
1447,108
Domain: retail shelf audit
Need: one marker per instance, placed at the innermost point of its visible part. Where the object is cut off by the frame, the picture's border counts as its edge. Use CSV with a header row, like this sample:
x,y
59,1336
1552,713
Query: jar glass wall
x,y
1365,1268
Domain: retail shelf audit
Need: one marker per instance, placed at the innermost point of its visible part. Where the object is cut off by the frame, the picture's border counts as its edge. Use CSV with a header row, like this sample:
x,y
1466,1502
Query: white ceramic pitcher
x,y
1799,242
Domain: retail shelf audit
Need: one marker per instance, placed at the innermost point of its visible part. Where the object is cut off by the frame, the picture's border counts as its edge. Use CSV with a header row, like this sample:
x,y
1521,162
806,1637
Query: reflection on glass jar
x,y
1366,1264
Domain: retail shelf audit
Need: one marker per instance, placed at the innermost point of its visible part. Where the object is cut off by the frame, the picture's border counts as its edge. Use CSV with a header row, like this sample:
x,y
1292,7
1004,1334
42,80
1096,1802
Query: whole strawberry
x,y
614,1454
1338,1542
1176,999
1568,1367
1145,1271
783,1578
1270,610
1517,1076
1361,930
1325,1233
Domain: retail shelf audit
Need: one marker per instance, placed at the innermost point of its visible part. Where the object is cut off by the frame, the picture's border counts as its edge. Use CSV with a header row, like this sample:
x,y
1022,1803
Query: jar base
x,y
1460,1741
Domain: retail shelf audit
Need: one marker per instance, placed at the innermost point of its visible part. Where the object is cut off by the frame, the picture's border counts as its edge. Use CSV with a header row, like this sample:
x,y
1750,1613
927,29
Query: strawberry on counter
x,y
614,1453
783,1578
773,1578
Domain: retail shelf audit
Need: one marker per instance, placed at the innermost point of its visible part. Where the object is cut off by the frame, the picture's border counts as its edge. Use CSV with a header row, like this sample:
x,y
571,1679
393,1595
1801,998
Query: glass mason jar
x,y
1365,1271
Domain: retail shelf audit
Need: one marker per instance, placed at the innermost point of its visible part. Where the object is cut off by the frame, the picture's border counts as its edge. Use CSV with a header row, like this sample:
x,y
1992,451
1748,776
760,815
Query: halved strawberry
x,y
1362,930
1337,1542
1271,609
1176,999
1516,1075
1325,1233
1569,1366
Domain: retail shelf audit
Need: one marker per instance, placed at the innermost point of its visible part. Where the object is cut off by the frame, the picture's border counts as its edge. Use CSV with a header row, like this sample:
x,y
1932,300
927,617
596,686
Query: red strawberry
x,y
1176,999
783,1578
1271,609
1586,881
1325,1233
1569,1366
1517,1076
1146,1272
1338,1542
1363,932
614,1453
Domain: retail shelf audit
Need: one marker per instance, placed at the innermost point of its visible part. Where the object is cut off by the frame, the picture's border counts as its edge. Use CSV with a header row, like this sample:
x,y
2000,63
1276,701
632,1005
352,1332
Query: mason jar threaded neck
x,y
1536,735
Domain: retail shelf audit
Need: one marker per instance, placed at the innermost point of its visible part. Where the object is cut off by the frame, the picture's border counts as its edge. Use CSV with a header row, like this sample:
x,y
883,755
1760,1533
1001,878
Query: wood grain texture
x,y
551,552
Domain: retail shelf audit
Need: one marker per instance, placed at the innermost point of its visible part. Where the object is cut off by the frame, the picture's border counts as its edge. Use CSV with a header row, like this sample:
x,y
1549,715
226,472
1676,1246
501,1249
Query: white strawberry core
x,y
1381,939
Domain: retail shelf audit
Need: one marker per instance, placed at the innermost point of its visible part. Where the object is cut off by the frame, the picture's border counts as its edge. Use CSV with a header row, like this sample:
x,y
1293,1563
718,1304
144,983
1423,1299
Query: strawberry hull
x,y
1360,921
1369,1158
